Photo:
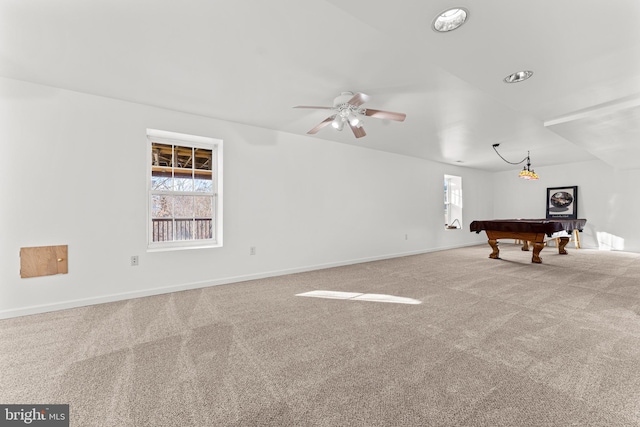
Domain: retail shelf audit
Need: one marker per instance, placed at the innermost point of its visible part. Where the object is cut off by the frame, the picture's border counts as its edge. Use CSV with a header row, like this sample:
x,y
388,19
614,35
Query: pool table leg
x,y
562,244
537,247
496,252
525,245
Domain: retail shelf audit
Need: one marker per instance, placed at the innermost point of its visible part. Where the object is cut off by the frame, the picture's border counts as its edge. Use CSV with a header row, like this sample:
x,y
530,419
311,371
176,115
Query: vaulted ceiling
x,y
251,61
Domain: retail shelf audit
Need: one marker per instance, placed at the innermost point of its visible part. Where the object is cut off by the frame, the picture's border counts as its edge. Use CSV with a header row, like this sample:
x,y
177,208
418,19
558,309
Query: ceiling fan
x,y
348,109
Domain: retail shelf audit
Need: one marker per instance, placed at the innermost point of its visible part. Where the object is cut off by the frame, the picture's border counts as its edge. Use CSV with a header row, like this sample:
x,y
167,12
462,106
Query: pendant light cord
x,y
511,163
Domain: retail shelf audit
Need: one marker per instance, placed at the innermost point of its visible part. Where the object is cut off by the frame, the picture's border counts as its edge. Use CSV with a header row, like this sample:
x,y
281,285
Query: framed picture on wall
x,y
562,202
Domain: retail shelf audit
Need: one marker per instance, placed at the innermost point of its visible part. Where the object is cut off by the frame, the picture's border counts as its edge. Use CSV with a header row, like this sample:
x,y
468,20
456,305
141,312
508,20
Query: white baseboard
x,y
44,308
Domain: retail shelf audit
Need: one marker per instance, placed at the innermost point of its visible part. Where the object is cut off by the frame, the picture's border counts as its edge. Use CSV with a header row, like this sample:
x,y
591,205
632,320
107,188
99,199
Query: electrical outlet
x,y
406,237
252,250
134,260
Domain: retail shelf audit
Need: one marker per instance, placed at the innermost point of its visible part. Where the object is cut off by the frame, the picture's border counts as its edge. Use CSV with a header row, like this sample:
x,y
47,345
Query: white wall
x,y
73,172
607,198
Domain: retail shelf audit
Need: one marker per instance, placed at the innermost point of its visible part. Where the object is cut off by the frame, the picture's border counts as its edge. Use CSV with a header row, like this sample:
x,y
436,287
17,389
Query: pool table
x,y
528,230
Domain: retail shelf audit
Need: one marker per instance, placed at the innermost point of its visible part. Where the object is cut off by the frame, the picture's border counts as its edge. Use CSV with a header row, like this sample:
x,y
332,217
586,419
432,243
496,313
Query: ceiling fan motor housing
x,y
343,98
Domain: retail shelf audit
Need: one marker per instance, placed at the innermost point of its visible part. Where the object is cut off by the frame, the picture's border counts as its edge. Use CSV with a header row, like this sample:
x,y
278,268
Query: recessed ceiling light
x,y
450,19
520,76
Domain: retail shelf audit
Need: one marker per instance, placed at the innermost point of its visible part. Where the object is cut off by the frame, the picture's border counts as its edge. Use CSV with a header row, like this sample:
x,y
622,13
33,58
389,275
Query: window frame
x,y
453,201
191,141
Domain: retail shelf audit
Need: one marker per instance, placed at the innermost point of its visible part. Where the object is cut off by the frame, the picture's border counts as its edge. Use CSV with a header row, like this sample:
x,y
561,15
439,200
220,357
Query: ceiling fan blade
x,y
379,114
314,107
322,124
357,131
358,99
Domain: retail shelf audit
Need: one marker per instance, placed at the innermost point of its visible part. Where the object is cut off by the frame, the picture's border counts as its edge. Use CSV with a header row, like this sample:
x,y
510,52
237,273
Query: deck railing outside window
x,y
186,229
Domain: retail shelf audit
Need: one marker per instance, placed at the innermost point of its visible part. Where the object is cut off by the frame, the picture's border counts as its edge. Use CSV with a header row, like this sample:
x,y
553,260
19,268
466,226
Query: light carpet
x,y
492,343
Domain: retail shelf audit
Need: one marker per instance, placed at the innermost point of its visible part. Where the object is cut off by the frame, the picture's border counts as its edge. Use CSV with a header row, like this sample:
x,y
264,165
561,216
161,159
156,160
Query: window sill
x,y
181,247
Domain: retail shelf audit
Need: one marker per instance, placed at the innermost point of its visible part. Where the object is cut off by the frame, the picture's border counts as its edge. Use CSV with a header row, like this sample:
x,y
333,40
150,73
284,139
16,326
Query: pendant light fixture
x,y
526,172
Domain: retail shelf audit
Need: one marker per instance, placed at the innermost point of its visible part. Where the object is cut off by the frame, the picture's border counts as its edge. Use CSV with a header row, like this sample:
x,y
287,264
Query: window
x,y
452,202
185,191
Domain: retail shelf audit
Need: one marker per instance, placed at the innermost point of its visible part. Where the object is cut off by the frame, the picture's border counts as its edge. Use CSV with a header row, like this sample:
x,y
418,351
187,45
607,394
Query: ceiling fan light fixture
x,y
450,19
338,122
355,120
518,77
